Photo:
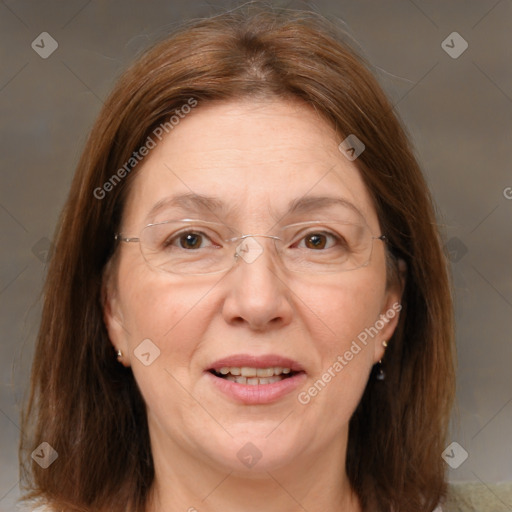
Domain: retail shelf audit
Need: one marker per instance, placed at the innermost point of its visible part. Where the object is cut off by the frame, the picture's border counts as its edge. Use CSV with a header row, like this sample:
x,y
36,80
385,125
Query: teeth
x,y
254,381
246,371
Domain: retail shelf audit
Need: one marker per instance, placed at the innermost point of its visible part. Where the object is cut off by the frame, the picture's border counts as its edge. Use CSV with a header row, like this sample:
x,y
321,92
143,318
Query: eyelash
x,y
177,236
336,238
181,234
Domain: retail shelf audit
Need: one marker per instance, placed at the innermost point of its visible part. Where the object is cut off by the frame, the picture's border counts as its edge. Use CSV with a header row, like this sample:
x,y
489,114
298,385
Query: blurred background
x,y
445,66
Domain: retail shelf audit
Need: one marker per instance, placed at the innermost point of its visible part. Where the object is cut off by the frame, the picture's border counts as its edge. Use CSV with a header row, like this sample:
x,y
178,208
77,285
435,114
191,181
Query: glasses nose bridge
x,y
250,235
246,252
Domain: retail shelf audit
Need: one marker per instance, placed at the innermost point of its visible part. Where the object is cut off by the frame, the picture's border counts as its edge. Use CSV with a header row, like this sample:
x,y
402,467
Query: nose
x,y
257,295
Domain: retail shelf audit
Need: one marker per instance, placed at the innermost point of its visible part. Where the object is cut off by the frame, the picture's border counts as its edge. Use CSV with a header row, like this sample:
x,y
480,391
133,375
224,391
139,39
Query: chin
x,y
255,451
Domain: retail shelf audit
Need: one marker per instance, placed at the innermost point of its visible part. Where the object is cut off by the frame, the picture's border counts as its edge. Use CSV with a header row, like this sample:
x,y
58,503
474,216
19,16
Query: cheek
x,y
341,318
172,314
340,311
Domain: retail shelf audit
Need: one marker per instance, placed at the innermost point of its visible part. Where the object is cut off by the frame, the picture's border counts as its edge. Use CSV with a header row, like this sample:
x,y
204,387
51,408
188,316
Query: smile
x,y
253,376
255,379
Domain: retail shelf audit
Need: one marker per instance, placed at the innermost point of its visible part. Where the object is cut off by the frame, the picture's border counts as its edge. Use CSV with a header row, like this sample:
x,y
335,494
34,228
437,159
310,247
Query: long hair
x,y
88,407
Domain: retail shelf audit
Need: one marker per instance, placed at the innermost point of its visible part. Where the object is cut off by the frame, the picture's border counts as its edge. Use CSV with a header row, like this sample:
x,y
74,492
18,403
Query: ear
x,y
390,311
112,314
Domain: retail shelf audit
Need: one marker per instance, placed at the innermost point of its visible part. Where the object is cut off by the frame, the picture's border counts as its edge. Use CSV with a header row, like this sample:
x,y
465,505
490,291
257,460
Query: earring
x,y
119,354
381,375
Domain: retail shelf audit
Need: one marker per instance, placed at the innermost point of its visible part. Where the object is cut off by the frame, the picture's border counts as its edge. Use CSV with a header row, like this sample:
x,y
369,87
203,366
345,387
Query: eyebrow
x,y
308,204
209,204
196,202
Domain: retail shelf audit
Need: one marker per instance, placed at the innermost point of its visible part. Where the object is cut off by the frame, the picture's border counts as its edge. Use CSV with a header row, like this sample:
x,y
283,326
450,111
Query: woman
x,y
248,306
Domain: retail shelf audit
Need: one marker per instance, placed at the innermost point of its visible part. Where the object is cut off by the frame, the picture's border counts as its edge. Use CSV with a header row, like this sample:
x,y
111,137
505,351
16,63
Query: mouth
x,y
253,380
253,376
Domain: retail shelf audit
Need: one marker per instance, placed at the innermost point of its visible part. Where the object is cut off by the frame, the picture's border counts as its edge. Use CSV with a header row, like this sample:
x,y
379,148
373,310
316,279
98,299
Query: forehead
x,y
248,162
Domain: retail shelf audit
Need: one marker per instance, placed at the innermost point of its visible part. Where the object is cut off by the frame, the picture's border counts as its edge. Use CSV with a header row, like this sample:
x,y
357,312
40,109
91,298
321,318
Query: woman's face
x,y
174,330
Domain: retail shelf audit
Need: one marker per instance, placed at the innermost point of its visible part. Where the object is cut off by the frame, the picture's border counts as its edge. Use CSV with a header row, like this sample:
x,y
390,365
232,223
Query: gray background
x,y
458,112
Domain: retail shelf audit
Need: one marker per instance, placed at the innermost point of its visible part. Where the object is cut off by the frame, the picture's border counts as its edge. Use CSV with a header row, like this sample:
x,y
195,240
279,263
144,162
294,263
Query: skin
x,y
256,156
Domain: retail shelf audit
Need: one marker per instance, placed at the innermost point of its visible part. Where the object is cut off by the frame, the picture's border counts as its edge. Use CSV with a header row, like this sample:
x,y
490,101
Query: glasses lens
x,y
330,246
187,247
202,247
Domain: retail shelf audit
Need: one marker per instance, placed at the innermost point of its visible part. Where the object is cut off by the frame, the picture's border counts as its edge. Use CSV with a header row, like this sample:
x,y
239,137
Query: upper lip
x,y
253,361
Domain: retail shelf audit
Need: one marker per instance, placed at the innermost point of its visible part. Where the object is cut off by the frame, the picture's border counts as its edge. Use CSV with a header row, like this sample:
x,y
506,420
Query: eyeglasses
x,y
196,247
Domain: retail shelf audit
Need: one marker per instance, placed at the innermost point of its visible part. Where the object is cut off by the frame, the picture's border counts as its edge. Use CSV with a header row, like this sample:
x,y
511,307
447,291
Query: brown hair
x,y
87,406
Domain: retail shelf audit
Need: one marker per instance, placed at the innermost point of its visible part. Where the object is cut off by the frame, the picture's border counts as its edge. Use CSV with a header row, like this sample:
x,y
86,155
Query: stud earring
x,y
119,354
381,375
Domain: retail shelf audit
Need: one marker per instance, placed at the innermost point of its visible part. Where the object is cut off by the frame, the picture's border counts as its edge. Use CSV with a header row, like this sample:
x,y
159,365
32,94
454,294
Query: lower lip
x,y
260,393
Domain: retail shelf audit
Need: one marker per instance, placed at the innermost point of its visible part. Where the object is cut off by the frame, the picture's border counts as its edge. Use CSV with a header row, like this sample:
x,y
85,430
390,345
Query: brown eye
x,y
190,240
316,241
